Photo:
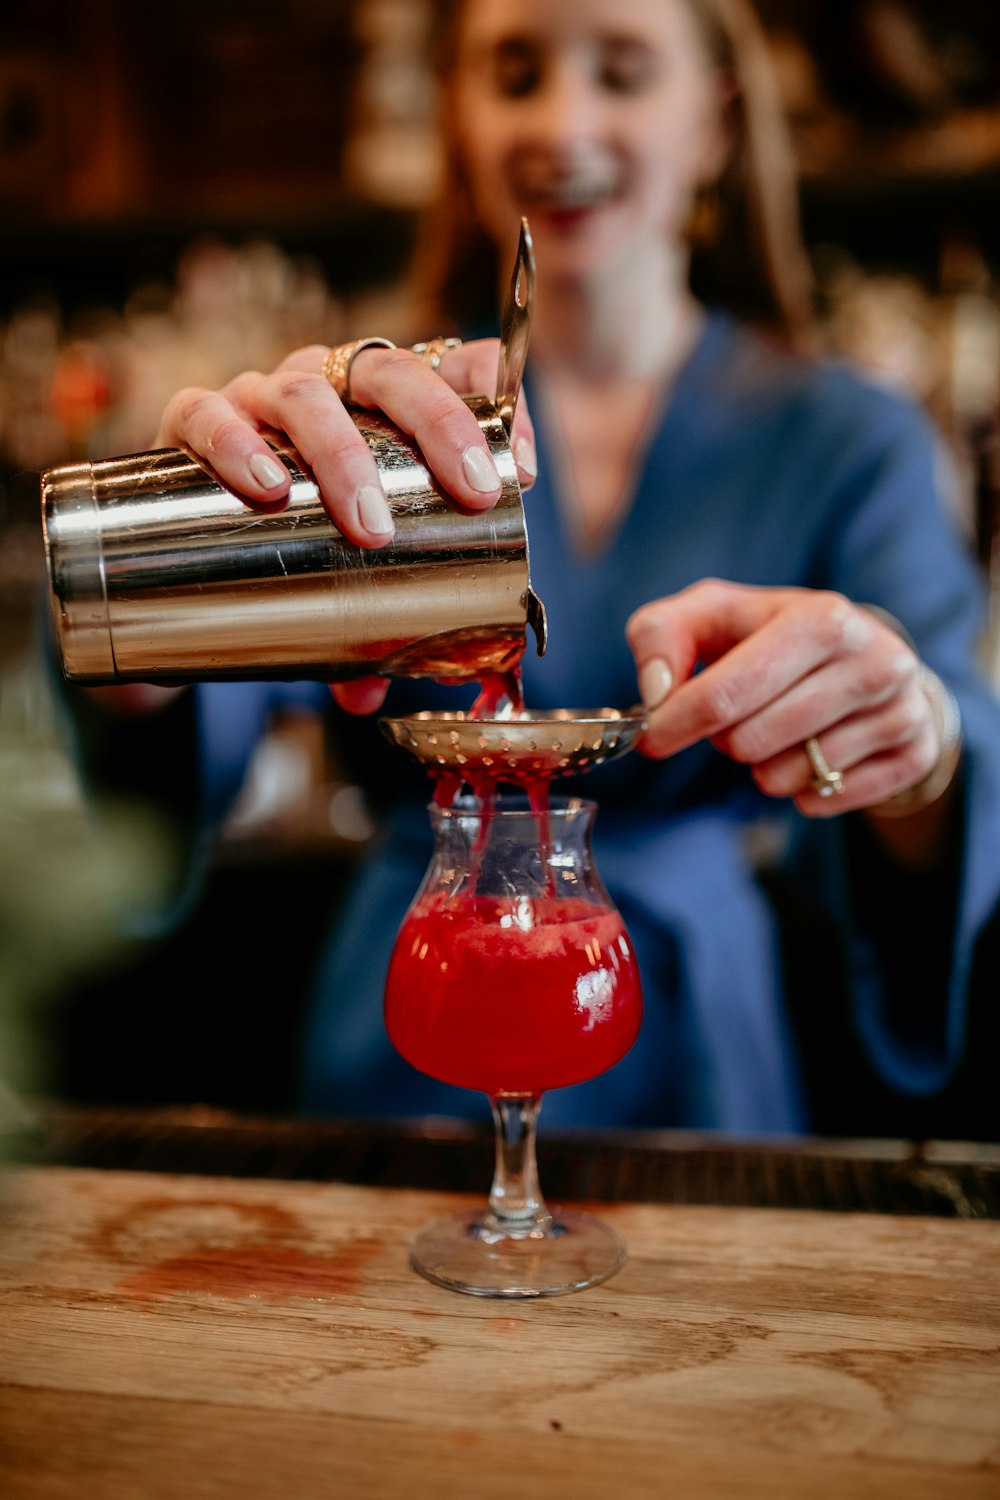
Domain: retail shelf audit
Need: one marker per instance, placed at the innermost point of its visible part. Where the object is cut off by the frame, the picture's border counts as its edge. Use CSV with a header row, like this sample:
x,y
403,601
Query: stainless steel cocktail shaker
x,y
158,573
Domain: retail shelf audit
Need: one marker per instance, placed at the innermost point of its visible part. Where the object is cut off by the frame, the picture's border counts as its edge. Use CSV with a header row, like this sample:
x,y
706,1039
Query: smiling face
x,y
597,119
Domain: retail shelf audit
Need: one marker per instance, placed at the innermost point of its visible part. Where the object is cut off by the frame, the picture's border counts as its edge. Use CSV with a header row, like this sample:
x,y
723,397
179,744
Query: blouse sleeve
x,y
894,538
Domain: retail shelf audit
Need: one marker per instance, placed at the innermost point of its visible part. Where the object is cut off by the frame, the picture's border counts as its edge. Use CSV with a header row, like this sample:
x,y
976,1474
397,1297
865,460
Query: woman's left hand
x,y
781,666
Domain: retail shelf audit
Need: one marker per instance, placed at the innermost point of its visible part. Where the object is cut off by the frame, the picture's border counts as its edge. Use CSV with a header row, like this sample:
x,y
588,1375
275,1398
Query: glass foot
x,y
469,1252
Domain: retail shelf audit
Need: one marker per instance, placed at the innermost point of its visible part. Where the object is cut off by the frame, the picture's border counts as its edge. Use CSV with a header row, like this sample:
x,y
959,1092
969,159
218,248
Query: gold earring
x,y
704,218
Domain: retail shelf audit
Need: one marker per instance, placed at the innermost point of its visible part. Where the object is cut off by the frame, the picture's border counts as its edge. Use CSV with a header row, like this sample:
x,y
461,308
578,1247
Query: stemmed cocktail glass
x,y
513,974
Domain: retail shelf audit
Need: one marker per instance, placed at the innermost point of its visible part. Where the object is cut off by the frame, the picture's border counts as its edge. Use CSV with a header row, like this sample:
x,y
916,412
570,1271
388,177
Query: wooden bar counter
x,y
182,1334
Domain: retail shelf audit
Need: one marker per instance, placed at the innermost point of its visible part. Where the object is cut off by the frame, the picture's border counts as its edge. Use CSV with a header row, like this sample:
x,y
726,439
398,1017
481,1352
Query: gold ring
x,y
337,365
827,781
434,350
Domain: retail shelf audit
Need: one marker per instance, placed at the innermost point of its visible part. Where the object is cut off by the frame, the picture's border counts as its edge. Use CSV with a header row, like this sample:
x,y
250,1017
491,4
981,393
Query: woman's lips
x,y
568,208
564,220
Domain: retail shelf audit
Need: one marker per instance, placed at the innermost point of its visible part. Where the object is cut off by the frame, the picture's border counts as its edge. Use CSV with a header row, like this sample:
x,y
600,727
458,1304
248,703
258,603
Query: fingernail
x,y
655,682
524,456
480,470
267,471
374,512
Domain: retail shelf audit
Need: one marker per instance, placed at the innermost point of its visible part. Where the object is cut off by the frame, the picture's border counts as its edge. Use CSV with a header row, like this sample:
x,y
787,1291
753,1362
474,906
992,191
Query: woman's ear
x,y
721,129
718,144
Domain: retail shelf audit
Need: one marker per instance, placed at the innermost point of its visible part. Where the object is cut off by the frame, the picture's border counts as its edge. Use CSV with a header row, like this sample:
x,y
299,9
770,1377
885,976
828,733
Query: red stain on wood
x,y
273,1273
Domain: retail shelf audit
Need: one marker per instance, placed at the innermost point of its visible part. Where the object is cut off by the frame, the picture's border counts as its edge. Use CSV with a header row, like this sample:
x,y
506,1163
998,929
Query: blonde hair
x,y
747,254
754,263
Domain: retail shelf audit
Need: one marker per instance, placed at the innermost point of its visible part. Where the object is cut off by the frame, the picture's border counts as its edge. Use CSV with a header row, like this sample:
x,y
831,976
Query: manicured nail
x,y
655,682
374,512
524,457
267,471
480,470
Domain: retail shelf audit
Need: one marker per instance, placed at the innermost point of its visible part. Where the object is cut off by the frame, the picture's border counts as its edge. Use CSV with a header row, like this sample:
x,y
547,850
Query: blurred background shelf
x,y
167,180
80,264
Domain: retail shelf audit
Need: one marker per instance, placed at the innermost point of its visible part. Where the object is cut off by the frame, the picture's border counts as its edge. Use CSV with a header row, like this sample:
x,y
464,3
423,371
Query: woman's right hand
x,y
224,427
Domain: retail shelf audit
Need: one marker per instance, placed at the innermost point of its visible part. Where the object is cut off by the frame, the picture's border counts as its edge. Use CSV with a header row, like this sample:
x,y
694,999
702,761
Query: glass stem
x,y
516,1203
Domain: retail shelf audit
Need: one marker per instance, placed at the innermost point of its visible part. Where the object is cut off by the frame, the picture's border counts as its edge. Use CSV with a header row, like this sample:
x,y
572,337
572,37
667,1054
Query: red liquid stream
x,y
497,690
512,997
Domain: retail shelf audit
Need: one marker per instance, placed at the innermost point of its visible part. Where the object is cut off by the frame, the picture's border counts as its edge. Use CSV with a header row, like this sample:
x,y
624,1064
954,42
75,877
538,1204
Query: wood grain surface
x,y
169,1336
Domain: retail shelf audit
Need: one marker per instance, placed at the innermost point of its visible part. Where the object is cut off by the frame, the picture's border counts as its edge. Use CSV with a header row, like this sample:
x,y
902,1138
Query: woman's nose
x,y
567,111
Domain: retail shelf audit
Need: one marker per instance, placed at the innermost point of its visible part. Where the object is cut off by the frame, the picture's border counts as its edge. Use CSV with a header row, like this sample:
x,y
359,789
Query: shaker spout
x,y
538,620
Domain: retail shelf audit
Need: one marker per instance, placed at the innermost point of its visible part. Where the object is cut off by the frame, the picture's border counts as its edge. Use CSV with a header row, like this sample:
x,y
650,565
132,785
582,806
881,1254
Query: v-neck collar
x,y
666,410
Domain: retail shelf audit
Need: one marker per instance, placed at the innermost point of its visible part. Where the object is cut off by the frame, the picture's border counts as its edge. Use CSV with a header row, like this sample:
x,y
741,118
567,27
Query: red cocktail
x,y
512,998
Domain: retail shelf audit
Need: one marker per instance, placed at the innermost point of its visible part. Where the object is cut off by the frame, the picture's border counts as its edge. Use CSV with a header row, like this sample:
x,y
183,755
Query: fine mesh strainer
x,y
556,742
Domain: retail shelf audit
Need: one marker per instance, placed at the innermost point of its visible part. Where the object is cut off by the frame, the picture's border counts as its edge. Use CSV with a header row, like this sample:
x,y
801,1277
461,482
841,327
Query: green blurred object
x,y
65,876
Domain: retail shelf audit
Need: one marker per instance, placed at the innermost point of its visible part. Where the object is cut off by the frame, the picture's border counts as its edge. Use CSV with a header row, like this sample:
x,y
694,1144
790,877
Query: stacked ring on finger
x,y
434,350
825,780
338,363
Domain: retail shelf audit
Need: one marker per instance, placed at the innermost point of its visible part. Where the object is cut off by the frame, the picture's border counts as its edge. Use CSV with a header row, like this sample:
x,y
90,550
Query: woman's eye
x,y
627,69
517,71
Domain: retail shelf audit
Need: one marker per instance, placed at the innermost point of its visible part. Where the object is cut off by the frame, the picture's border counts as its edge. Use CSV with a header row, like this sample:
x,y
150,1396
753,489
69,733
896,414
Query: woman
x,y
818,713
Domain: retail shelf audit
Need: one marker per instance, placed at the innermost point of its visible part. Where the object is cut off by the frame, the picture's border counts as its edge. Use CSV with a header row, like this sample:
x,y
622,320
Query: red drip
x,y
497,690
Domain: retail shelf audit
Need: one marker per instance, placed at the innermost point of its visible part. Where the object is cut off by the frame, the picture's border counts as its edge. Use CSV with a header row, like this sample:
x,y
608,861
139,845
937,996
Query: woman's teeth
x,y
578,194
